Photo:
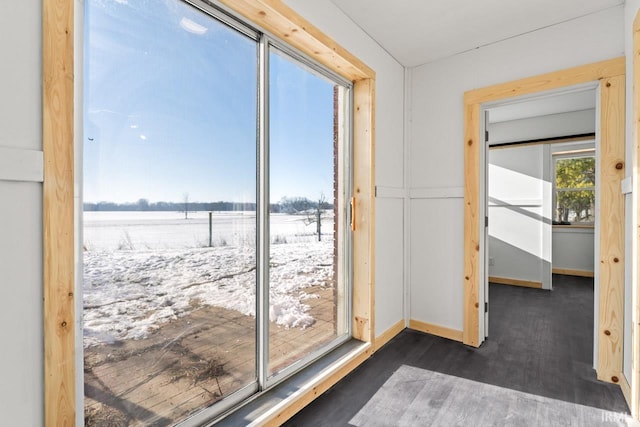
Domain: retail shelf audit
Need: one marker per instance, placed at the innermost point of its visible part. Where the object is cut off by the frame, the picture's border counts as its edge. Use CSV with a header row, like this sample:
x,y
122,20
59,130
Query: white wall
x,y
436,144
549,126
21,357
389,152
631,8
517,224
573,249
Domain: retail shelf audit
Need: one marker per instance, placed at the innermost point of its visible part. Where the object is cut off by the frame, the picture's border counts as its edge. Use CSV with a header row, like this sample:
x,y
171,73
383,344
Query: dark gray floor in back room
x,y
539,349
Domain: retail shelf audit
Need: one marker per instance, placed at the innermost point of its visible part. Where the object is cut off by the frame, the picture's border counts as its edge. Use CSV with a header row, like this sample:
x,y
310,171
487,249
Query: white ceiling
x,y
415,32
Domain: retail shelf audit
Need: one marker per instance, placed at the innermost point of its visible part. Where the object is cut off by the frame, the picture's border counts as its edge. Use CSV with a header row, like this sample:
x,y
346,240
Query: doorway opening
x,y
608,80
540,203
540,174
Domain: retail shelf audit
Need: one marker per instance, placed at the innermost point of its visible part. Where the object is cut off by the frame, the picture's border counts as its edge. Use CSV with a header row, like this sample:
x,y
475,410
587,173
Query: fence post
x,y
210,236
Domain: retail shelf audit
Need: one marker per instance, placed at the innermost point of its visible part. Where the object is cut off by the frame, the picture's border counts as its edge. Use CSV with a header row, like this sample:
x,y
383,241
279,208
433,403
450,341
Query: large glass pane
x,y
306,221
169,225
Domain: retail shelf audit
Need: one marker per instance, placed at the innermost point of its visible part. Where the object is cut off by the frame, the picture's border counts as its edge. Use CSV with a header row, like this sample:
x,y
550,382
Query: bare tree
x,y
295,205
316,216
185,198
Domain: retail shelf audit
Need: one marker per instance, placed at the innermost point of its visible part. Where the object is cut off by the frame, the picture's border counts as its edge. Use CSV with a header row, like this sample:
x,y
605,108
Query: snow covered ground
x,y
142,269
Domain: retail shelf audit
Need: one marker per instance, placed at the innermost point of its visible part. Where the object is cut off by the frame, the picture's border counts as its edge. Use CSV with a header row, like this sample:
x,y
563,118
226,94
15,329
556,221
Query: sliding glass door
x,y
169,212
215,246
307,219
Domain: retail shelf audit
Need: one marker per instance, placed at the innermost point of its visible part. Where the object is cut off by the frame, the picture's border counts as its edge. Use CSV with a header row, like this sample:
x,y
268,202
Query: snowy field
x,y
142,269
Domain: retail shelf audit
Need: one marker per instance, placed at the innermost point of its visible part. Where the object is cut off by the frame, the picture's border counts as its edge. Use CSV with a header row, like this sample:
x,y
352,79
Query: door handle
x,y
353,214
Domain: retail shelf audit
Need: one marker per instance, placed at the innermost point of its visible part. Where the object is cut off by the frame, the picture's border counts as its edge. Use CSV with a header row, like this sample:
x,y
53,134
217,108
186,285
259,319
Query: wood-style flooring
x,y
540,344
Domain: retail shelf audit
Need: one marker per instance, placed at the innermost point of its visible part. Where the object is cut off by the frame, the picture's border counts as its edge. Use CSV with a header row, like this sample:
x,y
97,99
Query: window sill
x,y
574,226
280,403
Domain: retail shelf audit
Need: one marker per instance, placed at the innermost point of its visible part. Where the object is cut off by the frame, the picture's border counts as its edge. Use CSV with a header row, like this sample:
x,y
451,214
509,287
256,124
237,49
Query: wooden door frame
x,y
610,75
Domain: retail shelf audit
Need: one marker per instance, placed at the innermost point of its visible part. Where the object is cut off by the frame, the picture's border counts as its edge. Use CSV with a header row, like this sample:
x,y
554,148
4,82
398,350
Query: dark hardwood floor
x,y
540,342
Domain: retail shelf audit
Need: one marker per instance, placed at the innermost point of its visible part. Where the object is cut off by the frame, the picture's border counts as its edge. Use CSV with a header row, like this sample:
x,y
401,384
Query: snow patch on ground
x,y
130,293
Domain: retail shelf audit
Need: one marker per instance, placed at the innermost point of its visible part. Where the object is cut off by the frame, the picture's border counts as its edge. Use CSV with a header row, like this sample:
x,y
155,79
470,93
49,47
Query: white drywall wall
x,y
631,8
436,144
21,358
516,220
434,238
573,249
549,126
389,160
389,292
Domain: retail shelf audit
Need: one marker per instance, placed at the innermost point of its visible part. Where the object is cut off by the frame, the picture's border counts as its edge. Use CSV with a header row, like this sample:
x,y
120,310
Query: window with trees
x,y
216,175
574,192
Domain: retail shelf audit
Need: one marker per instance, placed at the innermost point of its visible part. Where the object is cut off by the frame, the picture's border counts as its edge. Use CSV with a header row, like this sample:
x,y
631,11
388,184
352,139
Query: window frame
x,y
62,120
571,154
268,44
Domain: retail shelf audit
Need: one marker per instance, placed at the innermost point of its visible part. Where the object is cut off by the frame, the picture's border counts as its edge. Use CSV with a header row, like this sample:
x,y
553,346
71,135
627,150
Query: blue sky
x,y
170,109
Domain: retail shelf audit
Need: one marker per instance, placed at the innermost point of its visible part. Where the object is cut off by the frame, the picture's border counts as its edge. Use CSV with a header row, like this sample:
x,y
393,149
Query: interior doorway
x,y
609,79
540,175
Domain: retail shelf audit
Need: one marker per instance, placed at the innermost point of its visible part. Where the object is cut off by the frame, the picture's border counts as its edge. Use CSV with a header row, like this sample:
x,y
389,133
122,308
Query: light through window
x,y
174,174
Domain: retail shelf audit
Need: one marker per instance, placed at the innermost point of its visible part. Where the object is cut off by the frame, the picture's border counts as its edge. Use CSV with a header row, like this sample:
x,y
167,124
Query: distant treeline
x,y
144,205
286,205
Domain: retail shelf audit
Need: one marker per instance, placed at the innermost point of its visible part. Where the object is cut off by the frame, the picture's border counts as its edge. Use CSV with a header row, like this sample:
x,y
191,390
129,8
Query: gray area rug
x,y
418,397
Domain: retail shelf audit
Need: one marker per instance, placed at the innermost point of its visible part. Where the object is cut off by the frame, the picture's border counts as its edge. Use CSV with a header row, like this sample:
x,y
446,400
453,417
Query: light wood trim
x,y
472,144
280,20
363,191
572,272
612,132
301,398
440,331
542,142
626,389
549,81
611,220
586,227
389,334
515,282
58,208
635,273
58,211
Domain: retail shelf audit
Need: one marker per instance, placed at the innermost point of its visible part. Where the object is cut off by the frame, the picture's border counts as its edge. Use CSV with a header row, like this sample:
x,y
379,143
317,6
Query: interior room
x,y
530,143
268,212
